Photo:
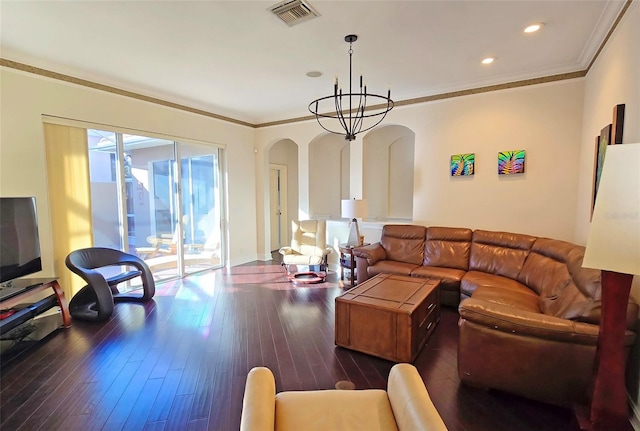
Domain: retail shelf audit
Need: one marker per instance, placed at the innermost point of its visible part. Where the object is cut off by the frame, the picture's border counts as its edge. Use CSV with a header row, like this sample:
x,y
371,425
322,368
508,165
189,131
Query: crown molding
x,y
611,30
452,94
440,96
114,90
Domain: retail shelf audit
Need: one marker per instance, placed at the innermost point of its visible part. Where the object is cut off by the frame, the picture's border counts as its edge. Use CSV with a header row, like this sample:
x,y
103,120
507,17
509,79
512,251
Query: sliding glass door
x,y
156,236
105,196
144,202
201,191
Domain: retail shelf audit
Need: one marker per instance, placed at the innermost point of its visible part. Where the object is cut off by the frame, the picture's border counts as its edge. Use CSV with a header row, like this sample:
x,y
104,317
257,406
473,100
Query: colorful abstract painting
x,y
463,164
511,162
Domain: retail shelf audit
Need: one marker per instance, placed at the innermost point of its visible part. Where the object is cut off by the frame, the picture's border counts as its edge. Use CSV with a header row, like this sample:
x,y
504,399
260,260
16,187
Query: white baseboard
x,y
244,259
265,257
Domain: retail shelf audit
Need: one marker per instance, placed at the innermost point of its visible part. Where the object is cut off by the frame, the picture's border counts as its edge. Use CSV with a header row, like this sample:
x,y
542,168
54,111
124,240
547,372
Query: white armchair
x,y
308,245
404,406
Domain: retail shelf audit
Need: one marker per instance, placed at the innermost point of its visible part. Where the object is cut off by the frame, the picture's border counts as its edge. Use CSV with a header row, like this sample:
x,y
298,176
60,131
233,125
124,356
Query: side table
x,y
348,261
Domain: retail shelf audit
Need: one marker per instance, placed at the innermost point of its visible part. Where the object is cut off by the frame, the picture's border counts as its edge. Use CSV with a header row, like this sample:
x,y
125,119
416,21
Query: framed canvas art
x,y
618,124
601,150
609,135
463,164
511,162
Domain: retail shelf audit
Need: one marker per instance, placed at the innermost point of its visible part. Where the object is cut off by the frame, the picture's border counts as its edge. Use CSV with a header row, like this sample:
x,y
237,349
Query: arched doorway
x,y
283,191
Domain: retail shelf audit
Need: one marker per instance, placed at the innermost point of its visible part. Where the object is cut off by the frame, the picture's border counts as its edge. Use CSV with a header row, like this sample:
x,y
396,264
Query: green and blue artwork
x,y
463,164
511,162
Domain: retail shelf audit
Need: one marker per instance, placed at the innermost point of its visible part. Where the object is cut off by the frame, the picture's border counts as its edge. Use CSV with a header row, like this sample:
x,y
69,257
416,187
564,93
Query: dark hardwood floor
x,y
180,361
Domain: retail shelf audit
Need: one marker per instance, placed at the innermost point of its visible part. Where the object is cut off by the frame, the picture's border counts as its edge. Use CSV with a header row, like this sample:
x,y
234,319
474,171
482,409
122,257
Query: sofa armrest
x,y
259,403
365,256
371,252
507,319
410,401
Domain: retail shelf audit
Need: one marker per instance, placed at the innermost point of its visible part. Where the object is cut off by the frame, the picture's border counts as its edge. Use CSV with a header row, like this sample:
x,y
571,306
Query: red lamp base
x,y
608,410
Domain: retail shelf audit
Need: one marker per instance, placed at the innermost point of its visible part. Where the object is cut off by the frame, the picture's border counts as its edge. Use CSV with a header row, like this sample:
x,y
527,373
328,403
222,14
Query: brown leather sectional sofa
x,y
529,312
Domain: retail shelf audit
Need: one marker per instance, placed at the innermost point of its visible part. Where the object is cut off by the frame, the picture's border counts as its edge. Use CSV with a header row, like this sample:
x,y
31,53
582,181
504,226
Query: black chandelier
x,y
351,117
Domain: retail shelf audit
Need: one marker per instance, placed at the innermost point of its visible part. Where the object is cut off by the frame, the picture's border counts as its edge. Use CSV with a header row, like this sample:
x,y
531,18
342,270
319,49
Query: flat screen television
x,y
19,241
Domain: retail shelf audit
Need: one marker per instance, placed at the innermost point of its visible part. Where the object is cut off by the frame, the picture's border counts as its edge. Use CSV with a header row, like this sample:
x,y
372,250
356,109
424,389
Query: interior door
x,y
278,205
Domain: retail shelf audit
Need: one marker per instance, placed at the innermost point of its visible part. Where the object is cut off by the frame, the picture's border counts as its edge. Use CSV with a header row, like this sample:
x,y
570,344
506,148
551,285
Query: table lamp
x,y
614,247
354,209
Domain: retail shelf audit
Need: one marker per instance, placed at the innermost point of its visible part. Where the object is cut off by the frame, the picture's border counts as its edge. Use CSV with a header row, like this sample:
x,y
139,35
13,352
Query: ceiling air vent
x,y
294,12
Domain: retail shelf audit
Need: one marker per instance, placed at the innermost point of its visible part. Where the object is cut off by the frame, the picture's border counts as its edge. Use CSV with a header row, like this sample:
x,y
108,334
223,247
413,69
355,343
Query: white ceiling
x,y
235,58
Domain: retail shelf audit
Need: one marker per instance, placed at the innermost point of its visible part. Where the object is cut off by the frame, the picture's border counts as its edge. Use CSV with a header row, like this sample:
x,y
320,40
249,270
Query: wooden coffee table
x,y
388,316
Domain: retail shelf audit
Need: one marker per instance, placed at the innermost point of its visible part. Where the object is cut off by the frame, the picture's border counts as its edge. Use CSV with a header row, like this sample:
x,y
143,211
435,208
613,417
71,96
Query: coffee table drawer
x,y
425,320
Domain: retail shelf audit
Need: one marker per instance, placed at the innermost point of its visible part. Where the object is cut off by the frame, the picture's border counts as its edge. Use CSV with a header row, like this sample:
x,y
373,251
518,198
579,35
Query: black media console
x,y
18,314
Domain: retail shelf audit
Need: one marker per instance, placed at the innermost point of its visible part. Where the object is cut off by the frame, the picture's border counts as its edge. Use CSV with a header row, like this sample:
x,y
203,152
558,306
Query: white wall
x,y
388,175
326,158
26,97
545,120
613,79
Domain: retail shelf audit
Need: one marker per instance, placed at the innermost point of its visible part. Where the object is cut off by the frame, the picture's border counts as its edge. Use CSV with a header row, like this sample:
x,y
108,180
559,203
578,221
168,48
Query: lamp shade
x,y
354,208
614,236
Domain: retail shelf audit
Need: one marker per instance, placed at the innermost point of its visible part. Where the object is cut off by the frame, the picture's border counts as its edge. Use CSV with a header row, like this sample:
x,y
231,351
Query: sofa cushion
x,y
449,278
516,297
334,410
545,270
404,243
448,247
581,299
587,280
472,280
567,290
499,253
391,267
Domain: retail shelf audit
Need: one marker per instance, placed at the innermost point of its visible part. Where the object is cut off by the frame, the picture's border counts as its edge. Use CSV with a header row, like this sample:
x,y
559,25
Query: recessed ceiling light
x,y
314,74
533,27
488,60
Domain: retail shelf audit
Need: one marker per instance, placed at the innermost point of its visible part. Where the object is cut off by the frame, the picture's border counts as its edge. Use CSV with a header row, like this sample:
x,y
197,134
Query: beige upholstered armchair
x,y
308,245
404,406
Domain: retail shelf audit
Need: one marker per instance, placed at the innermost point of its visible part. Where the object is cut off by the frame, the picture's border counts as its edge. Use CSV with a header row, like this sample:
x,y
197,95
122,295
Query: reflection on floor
x,y
166,266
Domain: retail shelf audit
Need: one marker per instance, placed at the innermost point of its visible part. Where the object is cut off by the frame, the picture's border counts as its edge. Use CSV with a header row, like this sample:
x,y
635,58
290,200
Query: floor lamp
x,y
613,247
354,209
